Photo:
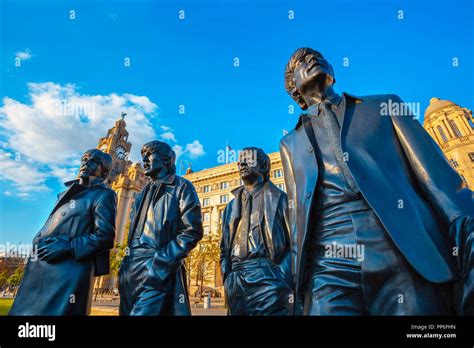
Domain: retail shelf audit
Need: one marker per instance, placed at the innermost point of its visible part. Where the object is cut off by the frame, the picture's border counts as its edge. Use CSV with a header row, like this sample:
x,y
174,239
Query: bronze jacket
x,y
276,229
173,229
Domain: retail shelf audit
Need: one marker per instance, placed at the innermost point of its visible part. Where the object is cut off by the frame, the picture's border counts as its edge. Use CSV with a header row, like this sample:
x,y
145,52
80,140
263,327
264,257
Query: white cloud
x,y
25,55
45,137
195,149
59,124
178,149
64,173
168,136
24,176
192,150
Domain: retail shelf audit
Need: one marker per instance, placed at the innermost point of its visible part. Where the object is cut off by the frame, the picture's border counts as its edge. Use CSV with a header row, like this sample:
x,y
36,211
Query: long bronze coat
x,y
85,216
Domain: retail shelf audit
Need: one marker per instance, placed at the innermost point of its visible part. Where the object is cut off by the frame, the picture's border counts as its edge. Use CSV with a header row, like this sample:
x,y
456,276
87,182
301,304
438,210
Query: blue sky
x,y
190,62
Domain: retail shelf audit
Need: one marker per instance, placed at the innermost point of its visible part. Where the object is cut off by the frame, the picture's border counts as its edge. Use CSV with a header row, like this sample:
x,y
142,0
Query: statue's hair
x,y
262,160
105,160
290,86
168,156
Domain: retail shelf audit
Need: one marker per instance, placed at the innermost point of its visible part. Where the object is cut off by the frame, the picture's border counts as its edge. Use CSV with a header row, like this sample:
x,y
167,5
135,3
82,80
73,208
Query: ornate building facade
x,y
450,125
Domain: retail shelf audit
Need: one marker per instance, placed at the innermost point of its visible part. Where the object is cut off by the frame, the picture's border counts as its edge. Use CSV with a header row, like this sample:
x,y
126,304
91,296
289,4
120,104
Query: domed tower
x,y
450,125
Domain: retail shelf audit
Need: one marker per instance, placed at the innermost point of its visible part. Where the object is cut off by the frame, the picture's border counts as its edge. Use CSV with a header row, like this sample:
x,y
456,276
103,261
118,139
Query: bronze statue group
x,y
355,181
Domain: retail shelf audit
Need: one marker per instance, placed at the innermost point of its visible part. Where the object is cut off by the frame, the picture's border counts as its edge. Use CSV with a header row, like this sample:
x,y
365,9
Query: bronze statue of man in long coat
x,y
72,246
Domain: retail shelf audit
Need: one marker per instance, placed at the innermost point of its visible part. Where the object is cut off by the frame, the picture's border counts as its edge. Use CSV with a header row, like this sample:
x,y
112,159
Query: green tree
x,y
118,252
3,278
116,256
15,278
204,257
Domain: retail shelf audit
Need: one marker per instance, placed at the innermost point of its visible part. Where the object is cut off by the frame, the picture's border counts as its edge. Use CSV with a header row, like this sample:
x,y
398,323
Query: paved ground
x,y
110,308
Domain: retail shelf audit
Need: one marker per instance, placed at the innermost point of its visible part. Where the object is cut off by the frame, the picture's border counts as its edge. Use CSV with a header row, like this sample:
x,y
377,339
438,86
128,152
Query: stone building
x,y
450,125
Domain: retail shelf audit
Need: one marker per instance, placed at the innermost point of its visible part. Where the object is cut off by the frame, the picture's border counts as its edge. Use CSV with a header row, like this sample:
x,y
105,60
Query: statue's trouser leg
x,y
376,281
257,287
137,296
390,285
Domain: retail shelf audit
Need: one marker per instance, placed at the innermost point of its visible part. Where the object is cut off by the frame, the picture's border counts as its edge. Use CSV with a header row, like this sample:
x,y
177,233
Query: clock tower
x,y
116,144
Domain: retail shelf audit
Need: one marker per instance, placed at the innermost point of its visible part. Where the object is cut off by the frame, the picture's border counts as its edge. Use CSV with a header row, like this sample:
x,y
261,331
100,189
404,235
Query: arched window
x,y
442,134
455,128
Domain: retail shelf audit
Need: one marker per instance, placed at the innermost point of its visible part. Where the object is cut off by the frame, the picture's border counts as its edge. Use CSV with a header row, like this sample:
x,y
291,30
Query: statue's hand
x,y
54,249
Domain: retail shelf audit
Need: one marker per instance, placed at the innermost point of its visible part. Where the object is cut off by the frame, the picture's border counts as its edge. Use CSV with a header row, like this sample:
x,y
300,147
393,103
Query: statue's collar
x,y
168,179
93,183
344,95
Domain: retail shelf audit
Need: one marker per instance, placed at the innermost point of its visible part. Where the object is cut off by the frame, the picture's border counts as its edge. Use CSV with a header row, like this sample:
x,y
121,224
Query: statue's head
x,y
95,163
254,163
158,157
307,69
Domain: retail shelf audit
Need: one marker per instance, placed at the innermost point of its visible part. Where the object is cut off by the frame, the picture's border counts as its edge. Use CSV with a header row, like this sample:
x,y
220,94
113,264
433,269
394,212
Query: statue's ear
x,y
302,104
104,171
264,167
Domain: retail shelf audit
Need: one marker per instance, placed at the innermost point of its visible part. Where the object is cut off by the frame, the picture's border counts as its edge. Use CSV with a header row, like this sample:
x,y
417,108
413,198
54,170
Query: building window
x,y
224,198
471,156
454,163
281,186
206,217
206,229
277,173
206,188
455,128
205,202
223,185
442,134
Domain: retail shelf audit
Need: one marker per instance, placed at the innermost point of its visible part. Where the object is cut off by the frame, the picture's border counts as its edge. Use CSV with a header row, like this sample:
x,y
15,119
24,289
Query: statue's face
x,y
311,72
152,163
91,165
249,166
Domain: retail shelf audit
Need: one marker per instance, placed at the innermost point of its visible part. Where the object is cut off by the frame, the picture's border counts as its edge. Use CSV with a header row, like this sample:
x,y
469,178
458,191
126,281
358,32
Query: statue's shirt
x,y
143,235
333,187
248,241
